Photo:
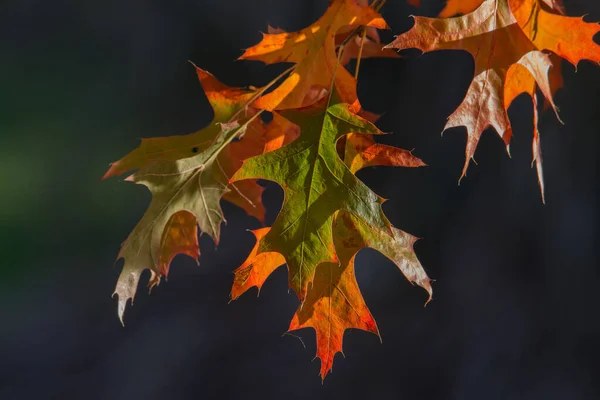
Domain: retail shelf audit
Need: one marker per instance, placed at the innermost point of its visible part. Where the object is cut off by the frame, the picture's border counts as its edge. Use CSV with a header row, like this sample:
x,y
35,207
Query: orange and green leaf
x,y
334,302
195,185
316,184
187,186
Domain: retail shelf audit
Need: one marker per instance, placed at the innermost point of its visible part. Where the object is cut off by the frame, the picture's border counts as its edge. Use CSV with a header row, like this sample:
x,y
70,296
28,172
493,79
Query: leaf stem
x,y
337,64
360,51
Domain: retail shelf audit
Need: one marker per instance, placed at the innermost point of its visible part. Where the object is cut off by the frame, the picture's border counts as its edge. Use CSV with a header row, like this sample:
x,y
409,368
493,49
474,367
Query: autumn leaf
x,y
194,184
568,37
180,234
360,152
316,184
226,103
495,40
313,50
334,302
506,39
370,44
519,80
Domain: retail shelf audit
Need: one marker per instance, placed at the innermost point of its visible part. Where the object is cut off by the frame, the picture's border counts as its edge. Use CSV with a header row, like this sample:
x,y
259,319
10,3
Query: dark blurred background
x,y
515,309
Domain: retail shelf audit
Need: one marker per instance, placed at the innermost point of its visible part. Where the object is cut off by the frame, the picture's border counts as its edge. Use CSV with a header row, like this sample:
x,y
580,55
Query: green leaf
x,y
195,184
316,184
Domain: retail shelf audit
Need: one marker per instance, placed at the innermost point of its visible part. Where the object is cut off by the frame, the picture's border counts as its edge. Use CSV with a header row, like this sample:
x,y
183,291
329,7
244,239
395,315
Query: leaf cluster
x,y
317,140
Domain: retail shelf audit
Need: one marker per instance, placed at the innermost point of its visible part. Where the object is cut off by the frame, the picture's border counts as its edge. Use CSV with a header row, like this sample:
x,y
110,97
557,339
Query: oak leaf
x,y
370,44
226,102
179,235
334,302
313,50
195,185
506,39
359,152
519,80
316,184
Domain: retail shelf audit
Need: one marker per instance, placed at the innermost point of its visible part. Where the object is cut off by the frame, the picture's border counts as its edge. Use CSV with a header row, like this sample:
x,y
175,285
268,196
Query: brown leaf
x,y
506,39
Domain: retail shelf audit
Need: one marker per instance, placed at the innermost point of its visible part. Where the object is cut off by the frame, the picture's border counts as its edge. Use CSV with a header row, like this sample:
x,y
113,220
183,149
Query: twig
x,y
360,51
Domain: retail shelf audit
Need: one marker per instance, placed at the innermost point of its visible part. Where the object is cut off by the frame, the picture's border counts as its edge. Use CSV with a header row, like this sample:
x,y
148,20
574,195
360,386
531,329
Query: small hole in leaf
x,y
266,117
194,149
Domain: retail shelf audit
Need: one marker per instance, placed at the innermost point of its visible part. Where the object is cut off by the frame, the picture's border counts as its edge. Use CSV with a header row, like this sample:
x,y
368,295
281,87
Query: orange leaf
x,y
371,47
569,37
312,49
334,302
506,39
256,269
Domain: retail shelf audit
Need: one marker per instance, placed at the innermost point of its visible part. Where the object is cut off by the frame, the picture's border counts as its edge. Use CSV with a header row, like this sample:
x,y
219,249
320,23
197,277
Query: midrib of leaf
x,y
326,114
309,197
